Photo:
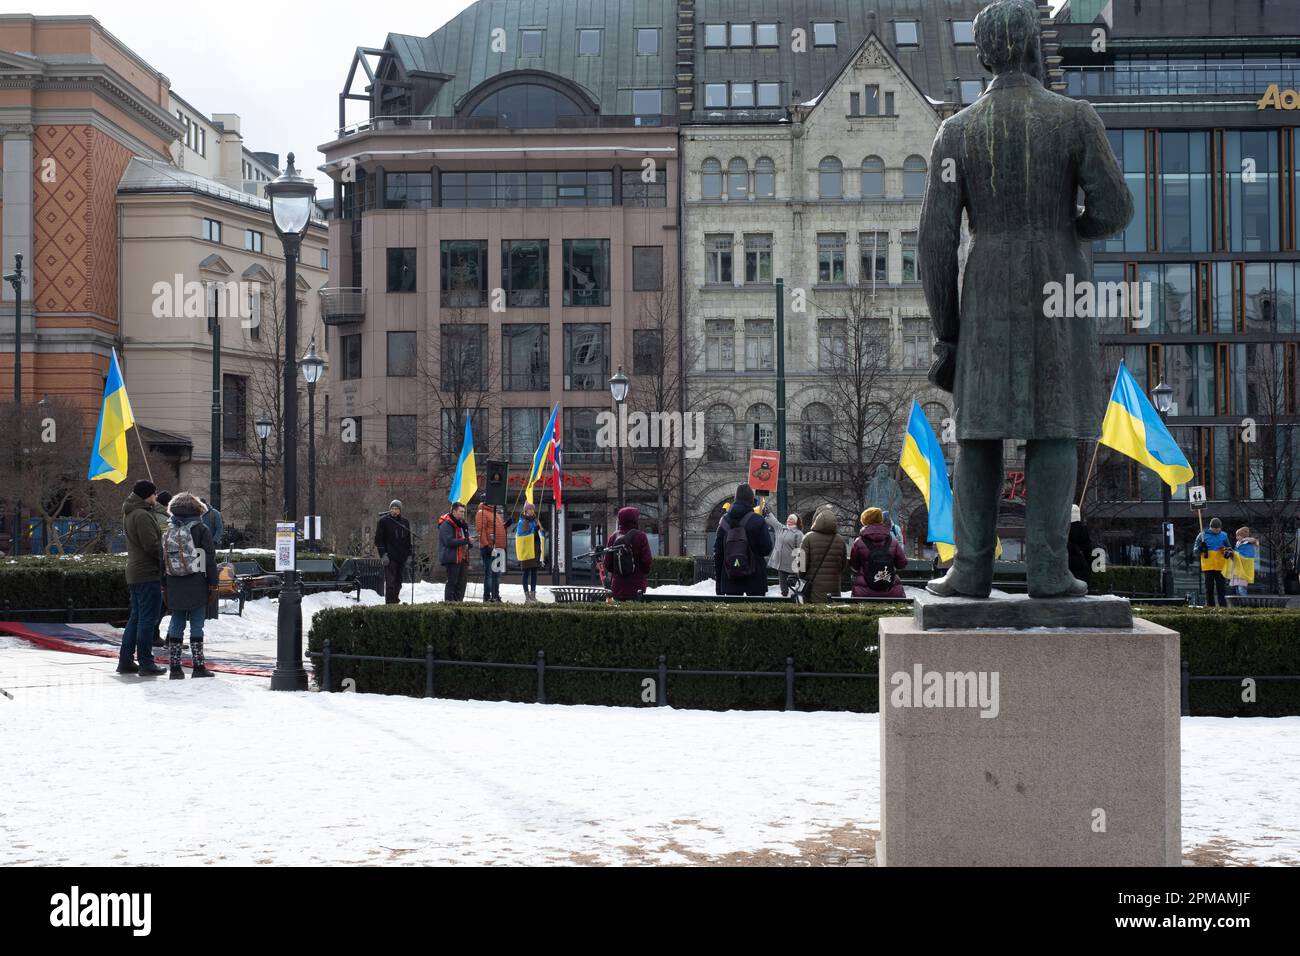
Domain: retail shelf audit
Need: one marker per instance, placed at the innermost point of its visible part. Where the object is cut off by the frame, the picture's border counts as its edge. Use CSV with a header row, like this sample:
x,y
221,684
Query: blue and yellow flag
x,y
108,454
465,481
1133,427
923,461
542,455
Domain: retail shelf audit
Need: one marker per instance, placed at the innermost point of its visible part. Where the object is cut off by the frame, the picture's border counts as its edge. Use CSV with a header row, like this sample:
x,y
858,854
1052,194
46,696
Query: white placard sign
x,y
1196,495
285,539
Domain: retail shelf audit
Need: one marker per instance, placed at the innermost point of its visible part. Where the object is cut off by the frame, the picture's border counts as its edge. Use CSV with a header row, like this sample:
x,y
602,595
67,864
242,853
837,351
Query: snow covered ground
x,y
120,770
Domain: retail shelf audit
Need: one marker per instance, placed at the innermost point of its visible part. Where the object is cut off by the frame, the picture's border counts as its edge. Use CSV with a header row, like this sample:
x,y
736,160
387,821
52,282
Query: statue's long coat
x,y
1015,160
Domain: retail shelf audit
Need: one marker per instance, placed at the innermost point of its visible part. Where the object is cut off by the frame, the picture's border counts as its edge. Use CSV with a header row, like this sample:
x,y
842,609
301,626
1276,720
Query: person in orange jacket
x,y
453,550
490,527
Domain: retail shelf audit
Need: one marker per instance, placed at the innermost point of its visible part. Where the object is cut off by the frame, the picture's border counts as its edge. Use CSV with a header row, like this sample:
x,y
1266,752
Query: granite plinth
x,y
1002,610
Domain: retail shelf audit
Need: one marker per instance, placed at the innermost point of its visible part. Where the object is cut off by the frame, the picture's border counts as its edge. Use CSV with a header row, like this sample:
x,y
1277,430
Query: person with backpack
x,y
741,547
190,562
876,559
143,580
491,529
628,556
788,539
530,549
1212,548
453,550
825,554
393,542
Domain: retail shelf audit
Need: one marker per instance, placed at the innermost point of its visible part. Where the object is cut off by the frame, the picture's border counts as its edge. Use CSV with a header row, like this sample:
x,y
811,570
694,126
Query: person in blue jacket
x,y
1212,547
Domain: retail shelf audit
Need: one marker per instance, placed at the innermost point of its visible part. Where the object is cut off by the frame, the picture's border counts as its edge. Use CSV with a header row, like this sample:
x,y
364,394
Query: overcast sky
x,y
280,66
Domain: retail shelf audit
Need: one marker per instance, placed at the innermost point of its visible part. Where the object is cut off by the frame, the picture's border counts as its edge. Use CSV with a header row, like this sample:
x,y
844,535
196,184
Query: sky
x,y
279,66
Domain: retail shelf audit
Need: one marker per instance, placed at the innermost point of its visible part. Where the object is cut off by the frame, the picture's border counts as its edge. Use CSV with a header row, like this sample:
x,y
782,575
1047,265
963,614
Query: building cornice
x,y
104,81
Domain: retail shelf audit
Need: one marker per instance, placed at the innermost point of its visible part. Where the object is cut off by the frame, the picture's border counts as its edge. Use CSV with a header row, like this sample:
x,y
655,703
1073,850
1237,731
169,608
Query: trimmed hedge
x,y
1124,579
671,568
1248,642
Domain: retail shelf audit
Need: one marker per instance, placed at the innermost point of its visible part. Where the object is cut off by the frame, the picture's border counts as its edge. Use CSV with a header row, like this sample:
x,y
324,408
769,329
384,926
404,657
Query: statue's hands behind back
x,y
943,372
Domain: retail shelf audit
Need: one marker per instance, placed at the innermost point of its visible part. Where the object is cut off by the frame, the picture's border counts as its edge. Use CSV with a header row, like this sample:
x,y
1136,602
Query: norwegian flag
x,y
557,472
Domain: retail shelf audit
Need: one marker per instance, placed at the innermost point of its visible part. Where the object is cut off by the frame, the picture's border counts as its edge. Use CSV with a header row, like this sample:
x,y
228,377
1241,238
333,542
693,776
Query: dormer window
x,y
824,33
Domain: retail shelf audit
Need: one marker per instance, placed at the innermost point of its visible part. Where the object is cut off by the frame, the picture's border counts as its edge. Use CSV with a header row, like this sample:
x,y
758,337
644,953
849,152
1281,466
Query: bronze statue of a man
x,y
1015,161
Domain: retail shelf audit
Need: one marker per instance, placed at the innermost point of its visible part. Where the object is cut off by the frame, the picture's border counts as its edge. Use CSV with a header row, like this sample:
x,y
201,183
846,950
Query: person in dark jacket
x,y
213,521
624,586
825,553
453,551
742,515
393,542
188,594
143,580
1080,545
876,536
490,526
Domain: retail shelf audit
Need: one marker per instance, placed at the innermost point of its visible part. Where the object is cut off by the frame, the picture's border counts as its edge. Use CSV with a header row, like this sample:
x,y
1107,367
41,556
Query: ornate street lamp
x,y
263,428
619,385
312,367
292,197
1163,396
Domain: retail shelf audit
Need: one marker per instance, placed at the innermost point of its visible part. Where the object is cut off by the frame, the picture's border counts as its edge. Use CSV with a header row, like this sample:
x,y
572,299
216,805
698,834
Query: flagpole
x,y
134,426
1088,476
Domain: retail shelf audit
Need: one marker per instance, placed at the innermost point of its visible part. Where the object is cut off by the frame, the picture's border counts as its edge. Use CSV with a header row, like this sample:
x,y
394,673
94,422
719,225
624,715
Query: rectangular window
x,y
401,270
212,230
464,273
765,34
916,345
350,357
530,43
408,190
717,263
758,344
401,354
647,102
586,272
889,105
523,431
647,268
715,34
906,33
324,258
874,249
758,259
872,101
971,90
832,344
586,356
252,240
647,41
460,358
720,345
824,33
769,94
401,437
234,413
715,95
910,273
855,104
963,32
579,431
742,34
588,43
525,273
647,352
639,194
742,95
525,358
830,258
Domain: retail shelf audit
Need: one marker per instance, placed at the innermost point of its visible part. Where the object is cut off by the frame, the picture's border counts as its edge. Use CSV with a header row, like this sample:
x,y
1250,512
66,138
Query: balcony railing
x,y
434,123
1168,79
343,305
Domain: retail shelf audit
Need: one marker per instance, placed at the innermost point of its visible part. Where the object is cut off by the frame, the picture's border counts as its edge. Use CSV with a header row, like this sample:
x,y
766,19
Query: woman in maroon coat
x,y
629,585
878,578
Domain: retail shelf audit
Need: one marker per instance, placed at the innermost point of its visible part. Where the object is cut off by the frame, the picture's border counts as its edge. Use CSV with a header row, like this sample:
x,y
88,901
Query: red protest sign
x,y
763,466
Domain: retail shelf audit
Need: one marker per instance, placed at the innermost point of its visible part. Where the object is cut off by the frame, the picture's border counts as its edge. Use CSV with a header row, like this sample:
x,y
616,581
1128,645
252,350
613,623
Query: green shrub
x,y
1122,579
673,569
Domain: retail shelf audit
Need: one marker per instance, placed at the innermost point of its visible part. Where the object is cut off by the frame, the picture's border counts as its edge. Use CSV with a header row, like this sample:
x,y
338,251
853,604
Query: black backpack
x,y
737,556
879,570
619,558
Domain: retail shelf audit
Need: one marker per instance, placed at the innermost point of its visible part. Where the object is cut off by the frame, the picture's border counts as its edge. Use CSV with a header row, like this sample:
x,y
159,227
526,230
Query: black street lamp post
x,y
618,387
1164,396
291,198
263,427
15,279
312,366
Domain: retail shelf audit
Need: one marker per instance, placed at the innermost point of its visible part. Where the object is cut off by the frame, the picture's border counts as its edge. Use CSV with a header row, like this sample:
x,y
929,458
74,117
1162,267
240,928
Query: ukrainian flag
x,y
1133,427
108,454
465,482
542,454
923,461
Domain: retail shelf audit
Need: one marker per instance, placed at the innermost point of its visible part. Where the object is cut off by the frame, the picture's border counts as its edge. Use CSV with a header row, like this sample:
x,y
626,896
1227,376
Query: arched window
x,y
765,178
527,105
873,177
720,432
816,432
914,177
737,179
830,178
711,179
760,424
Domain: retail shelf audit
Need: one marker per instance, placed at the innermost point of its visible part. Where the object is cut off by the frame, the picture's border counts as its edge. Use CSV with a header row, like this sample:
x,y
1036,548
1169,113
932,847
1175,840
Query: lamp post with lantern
x,y
1163,396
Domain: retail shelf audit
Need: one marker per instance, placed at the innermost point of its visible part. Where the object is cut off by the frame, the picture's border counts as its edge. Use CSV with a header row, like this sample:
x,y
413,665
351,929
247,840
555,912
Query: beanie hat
x,y
143,488
395,504
164,497
872,516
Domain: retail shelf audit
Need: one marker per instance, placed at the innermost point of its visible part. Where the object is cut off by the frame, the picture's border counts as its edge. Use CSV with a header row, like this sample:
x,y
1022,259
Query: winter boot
x,y
174,647
200,665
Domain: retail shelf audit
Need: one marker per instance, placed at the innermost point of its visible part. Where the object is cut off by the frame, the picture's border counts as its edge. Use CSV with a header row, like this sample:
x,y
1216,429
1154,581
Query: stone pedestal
x,y
1030,747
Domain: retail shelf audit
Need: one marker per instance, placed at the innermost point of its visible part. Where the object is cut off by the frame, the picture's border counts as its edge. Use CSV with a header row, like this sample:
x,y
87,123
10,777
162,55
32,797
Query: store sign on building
x,y
1279,99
